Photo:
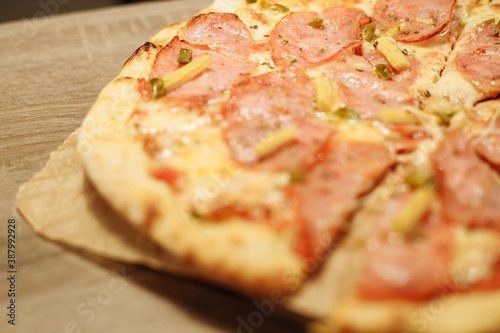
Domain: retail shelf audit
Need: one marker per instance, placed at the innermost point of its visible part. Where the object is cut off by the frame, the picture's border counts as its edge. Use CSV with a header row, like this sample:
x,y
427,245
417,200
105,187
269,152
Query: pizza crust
x,y
466,313
455,92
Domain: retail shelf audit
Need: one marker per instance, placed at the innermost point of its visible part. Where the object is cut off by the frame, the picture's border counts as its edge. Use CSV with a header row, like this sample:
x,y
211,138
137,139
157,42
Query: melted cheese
x,y
190,143
361,132
474,253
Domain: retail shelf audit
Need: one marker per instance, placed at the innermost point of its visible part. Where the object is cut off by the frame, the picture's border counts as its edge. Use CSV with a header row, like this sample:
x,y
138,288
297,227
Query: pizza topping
x,y
486,140
362,132
310,46
273,7
330,190
263,202
409,268
419,177
413,270
274,141
444,117
468,188
383,71
316,23
201,77
170,176
389,48
347,114
397,116
479,60
363,85
221,32
267,96
184,56
368,32
144,90
429,21
489,149
413,211
296,176
257,213
475,253
156,88
264,146
391,32
404,136
496,31
171,81
325,94
422,19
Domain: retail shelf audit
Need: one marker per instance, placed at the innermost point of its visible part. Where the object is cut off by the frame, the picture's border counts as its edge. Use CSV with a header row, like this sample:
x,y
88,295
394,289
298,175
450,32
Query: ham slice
x,y
367,93
410,269
479,60
297,44
419,19
469,189
297,155
269,96
329,191
221,32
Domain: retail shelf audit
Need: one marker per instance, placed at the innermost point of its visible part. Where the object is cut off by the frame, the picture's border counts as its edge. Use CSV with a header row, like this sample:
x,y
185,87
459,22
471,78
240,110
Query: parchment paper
x,y
61,205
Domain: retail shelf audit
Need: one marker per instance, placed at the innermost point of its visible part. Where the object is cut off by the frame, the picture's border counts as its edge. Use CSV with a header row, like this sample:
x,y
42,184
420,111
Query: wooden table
x,y
51,71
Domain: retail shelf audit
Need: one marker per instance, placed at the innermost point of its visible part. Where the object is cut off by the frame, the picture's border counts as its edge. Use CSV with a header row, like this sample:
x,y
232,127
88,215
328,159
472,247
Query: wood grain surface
x,y
51,70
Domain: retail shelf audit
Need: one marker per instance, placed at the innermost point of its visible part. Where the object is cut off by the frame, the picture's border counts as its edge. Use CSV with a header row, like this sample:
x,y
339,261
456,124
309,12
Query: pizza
x,y
262,138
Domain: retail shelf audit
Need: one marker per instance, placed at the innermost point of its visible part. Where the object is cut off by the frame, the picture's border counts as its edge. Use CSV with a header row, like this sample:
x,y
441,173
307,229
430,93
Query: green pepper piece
x,y
296,176
275,8
347,114
419,177
184,56
444,117
496,32
264,4
279,8
316,23
156,88
383,71
368,32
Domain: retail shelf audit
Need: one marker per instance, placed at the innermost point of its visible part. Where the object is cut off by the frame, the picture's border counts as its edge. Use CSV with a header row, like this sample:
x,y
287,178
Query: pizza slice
x,y
431,259
385,77
222,159
473,71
